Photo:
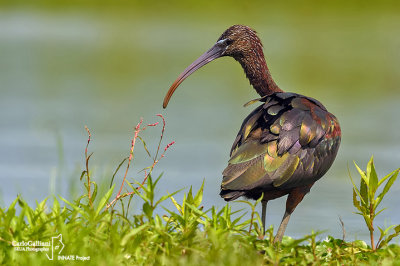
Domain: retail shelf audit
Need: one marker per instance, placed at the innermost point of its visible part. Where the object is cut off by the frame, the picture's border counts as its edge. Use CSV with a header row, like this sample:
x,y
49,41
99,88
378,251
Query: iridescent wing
x,y
289,140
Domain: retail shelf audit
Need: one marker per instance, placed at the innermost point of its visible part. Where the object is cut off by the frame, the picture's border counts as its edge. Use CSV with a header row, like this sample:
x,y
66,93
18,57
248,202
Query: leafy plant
x,y
147,171
366,201
185,234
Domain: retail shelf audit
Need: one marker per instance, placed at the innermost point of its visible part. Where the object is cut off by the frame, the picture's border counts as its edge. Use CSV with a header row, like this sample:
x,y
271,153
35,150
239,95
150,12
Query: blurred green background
x,y
66,64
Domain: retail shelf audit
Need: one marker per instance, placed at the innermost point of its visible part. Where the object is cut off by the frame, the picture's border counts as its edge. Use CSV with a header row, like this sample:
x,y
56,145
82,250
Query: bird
x,y
284,145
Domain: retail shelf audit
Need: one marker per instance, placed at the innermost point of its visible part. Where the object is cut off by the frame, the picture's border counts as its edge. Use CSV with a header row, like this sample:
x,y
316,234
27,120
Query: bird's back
x,y
289,141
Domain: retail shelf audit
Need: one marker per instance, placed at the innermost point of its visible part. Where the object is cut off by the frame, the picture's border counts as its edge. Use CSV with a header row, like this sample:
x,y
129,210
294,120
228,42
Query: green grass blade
x,y
388,185
372,177
76,208
104,200
354,185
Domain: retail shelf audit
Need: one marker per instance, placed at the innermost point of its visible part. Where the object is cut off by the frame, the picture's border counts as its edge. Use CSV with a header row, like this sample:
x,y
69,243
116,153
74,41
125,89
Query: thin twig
x,y
87,166
162,135
131,156
251,220
343,230
137,130
144,180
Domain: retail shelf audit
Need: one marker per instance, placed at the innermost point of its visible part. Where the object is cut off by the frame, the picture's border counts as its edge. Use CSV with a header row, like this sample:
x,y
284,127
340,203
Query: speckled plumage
x,y
248,51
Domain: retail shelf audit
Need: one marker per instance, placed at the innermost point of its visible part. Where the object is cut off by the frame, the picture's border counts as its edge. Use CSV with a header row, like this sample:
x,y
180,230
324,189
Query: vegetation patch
x,y
100,229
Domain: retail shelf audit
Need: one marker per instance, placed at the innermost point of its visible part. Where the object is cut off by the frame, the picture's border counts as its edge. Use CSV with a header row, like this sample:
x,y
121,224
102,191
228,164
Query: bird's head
x,y
237,41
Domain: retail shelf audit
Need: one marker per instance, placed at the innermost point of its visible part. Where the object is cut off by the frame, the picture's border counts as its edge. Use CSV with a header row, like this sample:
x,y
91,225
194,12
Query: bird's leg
x,y
263,214
294,198
282,227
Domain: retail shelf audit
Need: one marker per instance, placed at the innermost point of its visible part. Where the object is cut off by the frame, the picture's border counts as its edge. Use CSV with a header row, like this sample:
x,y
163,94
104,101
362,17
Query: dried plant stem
x,y
161,137
87,167
137,130
251,221
119,196
343,229
156,159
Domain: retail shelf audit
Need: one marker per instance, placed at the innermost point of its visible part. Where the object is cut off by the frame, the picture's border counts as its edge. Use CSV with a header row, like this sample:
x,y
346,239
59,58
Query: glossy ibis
x,y
285,145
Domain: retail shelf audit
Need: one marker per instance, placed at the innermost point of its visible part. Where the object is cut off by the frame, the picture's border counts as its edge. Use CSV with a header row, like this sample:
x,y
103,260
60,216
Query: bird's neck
x,y
258,73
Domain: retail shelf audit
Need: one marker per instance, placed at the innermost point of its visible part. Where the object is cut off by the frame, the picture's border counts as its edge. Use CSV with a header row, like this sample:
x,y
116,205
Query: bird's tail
x,y
229,195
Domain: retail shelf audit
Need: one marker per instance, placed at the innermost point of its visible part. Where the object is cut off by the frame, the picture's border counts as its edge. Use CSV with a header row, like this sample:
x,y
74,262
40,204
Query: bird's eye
x,y
224,42
228,41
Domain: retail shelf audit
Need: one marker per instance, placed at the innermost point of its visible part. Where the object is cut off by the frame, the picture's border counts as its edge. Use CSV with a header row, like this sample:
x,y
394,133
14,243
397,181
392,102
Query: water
x,y
59,72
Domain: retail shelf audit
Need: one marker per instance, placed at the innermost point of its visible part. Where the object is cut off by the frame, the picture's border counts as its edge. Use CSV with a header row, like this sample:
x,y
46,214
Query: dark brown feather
x,y
301,147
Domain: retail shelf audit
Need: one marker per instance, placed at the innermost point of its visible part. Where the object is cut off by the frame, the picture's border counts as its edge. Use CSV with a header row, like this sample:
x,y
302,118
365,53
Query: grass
x,y
102,230
366,202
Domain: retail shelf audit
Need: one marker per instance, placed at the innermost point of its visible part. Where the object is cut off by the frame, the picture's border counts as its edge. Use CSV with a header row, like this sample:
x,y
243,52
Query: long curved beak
x,y
214,52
